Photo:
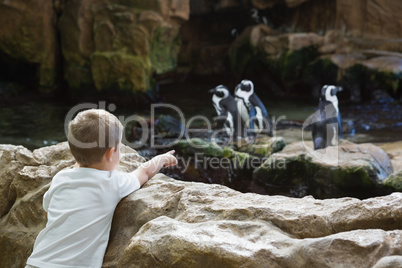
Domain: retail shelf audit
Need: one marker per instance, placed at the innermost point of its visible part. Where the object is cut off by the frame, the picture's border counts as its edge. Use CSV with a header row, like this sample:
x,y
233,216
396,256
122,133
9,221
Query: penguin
x,y
258,17
226,108
252,111
327,125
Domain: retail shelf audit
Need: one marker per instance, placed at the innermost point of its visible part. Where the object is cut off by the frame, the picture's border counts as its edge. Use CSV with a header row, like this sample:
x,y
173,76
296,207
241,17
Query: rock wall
x,y
170,223
28,36
117,46
106,45
292,48
125,46
370,19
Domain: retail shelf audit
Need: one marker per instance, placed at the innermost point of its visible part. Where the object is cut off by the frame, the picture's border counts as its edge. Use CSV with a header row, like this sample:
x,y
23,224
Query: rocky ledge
x,y
171,223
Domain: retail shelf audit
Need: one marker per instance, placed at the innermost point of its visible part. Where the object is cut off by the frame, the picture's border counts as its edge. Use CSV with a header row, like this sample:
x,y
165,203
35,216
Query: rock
x,y
168,126
369,18
381,97
189,147
263,146
24,178
394,151
394,181
385,72
194,225
29,39
126,72
119,46
173,223
299,41
211,156
345,170
389,262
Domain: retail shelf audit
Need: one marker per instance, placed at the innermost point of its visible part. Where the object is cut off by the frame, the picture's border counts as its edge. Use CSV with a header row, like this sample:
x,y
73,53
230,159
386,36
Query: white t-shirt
x,y
80,204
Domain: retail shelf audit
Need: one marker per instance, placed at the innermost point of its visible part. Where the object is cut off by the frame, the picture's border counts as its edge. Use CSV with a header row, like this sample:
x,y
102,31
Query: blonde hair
x,y
91,133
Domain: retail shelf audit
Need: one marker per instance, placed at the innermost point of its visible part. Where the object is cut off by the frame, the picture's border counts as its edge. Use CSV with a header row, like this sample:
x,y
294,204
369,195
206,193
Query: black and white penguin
x,y
258,17
226,108
252,111
327,125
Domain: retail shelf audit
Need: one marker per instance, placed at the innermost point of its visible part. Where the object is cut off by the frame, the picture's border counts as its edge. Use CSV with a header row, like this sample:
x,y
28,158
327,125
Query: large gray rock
x,y
394,151
186,224
344,170
170,223
24,178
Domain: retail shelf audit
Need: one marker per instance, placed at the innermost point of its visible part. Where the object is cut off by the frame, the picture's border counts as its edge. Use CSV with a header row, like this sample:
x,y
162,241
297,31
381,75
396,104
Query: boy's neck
x,y
99,166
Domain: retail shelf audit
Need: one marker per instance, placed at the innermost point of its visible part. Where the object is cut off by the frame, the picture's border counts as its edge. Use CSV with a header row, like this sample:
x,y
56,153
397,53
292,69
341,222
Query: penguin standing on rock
x,y
327,125
252,111
226,108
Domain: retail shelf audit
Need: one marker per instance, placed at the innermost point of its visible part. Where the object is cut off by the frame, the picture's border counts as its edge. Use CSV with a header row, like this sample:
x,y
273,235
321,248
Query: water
x,y
375,123
37,123
32,124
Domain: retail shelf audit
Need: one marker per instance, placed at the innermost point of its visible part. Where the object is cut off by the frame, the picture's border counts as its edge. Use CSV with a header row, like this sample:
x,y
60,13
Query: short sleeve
x,y
127,183
46,201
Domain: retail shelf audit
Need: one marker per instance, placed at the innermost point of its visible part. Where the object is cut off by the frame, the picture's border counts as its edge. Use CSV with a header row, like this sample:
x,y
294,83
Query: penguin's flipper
x,y
221,119
252,116
256,102
267,122
319,143
318,132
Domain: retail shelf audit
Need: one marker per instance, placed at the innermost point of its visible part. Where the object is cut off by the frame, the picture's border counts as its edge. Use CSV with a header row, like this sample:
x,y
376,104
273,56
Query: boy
x,y
81,201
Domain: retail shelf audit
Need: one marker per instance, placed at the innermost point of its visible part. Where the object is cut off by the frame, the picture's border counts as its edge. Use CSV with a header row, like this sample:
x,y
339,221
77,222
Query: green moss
x,y
354,75
165,48
293,63
351,177
199,146
120,71
294,171
228,152
370,79
240,56
138,4
244,58
322,70
394,181
385,80
47,79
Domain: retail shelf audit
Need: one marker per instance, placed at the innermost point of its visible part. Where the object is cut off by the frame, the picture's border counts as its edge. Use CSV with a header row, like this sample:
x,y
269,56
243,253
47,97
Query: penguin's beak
x,y
336,90
212,91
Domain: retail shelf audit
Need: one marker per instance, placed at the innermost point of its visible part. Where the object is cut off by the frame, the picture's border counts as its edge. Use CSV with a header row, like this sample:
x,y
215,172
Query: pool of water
x,y
362,123
39,123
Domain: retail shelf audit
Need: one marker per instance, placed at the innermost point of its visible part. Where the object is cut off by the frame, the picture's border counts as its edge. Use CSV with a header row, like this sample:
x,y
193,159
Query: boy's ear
x,y
109,153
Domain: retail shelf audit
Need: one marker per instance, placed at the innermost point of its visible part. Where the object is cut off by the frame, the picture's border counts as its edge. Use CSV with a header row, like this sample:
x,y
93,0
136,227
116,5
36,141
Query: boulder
x,y
389,262
370,19
186,224
394,181
345,170
394,151
28,43
202,154
262,146
119,46
24,178
238,152
192,225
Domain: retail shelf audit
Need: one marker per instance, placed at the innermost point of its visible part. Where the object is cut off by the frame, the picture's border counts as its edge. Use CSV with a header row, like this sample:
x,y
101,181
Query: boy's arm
x,y
150,168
